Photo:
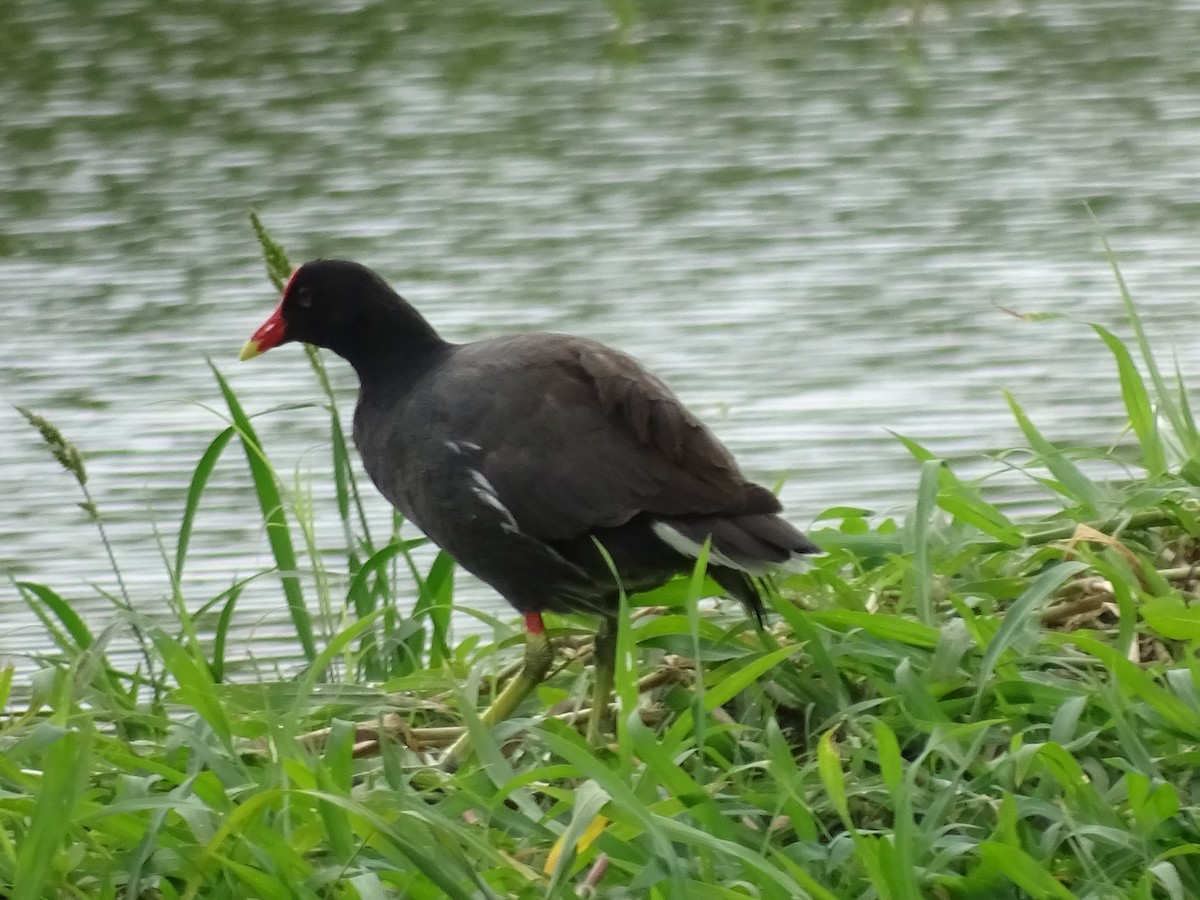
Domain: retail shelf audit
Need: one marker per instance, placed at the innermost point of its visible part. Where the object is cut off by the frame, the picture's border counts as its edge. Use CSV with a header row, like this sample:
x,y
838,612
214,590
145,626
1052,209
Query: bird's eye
x,y
304,298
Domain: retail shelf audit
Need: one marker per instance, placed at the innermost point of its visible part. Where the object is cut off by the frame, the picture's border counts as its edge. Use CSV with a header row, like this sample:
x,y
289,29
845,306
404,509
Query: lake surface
x,y
808,217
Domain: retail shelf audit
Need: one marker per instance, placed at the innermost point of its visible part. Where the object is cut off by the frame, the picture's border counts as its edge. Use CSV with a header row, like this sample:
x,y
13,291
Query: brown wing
x,y
605,441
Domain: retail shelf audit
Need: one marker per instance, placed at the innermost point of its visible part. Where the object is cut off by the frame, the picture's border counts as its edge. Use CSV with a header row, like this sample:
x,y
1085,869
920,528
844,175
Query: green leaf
x,y
195,490
334,775
842,512
274,518
829,767
325,658
918,585
864,546
1172,618
891,765
196,686
1180,421
65,769
221,631
1021,615
626,805
357,595
881,625
678,783
1071,481
730,679
437,603
962,501
1024,871
1137,404
981,515
586,804
1135,682
765,873
62,610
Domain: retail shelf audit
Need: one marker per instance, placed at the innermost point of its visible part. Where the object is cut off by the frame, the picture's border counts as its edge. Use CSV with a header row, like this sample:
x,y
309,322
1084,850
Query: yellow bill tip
x,y
250,349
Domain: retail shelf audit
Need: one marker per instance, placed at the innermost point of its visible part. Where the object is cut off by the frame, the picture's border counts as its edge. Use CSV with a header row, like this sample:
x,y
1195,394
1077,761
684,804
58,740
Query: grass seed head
x,y
64,451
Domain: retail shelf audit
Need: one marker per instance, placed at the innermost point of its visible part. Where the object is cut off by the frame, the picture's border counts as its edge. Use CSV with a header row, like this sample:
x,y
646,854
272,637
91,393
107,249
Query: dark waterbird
x,y
517,455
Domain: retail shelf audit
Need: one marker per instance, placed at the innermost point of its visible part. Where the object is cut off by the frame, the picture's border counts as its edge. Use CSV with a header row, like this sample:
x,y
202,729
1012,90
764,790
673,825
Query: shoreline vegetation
x,y
956,705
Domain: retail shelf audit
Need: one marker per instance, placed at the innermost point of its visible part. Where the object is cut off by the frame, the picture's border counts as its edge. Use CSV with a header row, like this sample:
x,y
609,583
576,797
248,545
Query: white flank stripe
x,y
486,491
678,541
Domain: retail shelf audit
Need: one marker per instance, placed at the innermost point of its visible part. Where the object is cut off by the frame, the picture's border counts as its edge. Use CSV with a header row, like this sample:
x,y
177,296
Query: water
x,y
809,220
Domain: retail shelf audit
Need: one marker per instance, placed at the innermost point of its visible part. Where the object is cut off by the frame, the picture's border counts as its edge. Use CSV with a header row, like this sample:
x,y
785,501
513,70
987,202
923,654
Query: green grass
x,y
958,705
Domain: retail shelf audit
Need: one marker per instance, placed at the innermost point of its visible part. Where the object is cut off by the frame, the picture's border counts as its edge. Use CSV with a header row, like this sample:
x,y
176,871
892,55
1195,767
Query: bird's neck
x,y
395,349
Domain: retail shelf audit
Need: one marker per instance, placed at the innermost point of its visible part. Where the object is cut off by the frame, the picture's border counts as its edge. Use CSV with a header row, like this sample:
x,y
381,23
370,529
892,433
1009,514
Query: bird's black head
x,y
342,306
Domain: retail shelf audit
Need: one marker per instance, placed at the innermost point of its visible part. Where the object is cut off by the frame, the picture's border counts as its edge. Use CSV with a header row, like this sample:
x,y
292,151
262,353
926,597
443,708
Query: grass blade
x,y
200,475
274,518
436,602
918,585
196,686
1137,404
61,608
1071,481
65,769
1020,617
1024,871
1183,429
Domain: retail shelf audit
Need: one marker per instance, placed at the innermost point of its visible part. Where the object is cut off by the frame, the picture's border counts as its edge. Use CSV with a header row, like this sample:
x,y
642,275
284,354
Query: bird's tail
x,y
743,549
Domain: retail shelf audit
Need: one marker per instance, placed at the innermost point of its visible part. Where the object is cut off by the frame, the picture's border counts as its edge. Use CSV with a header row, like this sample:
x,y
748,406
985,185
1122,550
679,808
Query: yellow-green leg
x,y
539,655
602,683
